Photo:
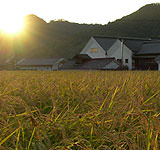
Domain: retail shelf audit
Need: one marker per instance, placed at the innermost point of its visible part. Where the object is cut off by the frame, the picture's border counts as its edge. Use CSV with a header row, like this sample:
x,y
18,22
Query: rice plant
x,y
79,110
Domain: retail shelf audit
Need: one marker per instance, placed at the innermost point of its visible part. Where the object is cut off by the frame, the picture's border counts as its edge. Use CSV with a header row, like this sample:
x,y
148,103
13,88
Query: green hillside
x,y
65,39
143,23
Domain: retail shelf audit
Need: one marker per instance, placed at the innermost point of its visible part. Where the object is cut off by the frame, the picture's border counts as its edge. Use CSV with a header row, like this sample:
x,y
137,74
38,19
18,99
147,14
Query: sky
x,y
80,11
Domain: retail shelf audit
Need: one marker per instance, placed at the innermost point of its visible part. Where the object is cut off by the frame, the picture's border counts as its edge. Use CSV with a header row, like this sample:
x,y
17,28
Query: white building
x,y
122,49
39,64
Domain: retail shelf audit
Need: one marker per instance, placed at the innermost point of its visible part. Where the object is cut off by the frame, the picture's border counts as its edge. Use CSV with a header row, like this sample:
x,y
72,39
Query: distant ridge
x,y
64,39
150,12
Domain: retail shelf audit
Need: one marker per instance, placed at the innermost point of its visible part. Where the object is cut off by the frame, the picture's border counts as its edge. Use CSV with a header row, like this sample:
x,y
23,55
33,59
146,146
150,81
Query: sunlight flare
x,y
12,25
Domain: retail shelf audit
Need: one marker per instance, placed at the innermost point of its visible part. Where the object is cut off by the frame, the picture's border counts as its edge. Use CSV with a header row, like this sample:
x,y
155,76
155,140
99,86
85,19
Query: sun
x,y
12,25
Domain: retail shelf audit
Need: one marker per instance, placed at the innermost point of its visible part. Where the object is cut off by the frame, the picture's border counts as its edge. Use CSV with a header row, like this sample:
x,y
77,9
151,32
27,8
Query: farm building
x,y
104,53
39,64
84,62
132,52
148,56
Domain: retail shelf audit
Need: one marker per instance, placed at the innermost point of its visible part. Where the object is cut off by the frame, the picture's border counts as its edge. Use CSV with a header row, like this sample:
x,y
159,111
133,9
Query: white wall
x,y
158,62
115,51
92,43
158,66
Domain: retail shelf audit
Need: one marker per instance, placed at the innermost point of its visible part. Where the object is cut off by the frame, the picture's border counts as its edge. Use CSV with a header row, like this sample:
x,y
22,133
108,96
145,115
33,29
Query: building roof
x,y
150,48
70,65
37,62
124,38
105,42
92,64
132,43
97,64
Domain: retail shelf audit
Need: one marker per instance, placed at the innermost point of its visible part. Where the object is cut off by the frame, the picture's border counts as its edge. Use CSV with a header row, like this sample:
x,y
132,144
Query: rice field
x,y
79,110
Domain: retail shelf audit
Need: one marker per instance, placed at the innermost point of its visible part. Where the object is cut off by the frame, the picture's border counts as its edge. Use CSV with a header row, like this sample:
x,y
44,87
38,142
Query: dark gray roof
x,y
37,62
92,64
125,38
105,42
132,43
71,65
97,64
150,48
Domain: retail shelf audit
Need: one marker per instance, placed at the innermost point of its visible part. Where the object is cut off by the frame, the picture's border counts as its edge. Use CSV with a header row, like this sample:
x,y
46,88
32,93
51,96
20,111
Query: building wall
x,y
159,67
158,62
115,51
92,43
146,63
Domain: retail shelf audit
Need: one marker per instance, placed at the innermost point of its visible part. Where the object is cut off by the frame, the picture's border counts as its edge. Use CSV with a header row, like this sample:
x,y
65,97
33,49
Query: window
x,y
119,60
126,61
94,50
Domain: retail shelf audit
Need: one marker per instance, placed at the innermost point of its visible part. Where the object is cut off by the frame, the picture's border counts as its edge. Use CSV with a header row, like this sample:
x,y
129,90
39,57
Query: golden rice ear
x,y
79,110
1,103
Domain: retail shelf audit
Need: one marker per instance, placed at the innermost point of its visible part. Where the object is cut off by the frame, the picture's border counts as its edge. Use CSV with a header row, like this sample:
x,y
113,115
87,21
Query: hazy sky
x,y
81,11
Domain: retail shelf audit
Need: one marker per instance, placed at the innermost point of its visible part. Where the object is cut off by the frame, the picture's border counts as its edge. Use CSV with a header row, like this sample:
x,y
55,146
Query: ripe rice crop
x,y
79,110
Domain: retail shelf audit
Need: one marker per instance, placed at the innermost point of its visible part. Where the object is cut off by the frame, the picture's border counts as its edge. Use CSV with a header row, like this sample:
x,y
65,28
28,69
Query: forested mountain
x,y
143,23
65,39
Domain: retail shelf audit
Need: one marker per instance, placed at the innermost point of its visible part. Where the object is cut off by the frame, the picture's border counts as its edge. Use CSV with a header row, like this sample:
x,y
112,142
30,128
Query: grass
x,y
79,110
